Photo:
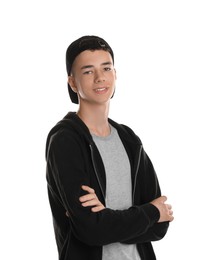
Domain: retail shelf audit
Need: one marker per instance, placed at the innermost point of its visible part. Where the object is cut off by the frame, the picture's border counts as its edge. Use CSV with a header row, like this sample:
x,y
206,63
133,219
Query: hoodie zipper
x,y
95,170
136,173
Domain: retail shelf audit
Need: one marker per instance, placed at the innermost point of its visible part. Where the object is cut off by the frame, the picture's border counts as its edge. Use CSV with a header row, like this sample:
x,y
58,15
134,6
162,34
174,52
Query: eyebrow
x,y
91,66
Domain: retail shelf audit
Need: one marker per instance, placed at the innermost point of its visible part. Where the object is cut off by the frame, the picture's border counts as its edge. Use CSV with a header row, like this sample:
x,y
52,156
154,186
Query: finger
x,y
91,203
171,218
163,198
169,206
87,197
170,212
97,208
88,189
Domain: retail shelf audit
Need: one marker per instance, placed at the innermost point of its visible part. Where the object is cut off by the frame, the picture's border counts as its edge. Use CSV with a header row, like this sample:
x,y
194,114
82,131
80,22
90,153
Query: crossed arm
x,y
90,199
137,224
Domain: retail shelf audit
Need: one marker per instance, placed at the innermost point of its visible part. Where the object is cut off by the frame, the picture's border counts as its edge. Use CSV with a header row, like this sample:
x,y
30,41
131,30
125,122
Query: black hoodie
x,y
73,160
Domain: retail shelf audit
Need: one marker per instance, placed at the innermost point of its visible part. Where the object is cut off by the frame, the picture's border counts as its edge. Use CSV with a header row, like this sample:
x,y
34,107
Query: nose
x,y
99,77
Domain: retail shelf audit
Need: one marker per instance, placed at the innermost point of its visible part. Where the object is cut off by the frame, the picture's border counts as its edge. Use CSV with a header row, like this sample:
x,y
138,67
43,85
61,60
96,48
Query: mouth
x,y
101,90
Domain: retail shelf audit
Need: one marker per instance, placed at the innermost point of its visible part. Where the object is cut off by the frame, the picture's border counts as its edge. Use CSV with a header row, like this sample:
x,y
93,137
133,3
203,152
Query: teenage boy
x,y
103,190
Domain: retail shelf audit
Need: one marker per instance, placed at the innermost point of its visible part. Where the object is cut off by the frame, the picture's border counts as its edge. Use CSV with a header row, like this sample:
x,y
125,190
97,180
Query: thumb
x,y
163,199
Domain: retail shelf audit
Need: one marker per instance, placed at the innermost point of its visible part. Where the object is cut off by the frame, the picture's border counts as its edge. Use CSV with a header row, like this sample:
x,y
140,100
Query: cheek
x,y
112,78
83,85
79,83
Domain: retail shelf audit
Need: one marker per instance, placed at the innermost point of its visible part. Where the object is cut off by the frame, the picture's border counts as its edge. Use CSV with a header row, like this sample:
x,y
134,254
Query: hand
x,y
166,213
91,199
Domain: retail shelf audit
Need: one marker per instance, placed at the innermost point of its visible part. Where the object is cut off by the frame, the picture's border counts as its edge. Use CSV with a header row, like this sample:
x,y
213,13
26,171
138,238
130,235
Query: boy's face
x,y
93,76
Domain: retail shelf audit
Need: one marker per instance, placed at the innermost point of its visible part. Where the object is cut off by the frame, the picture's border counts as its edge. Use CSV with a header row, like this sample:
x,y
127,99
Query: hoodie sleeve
x,y
66,174
149,185
154,233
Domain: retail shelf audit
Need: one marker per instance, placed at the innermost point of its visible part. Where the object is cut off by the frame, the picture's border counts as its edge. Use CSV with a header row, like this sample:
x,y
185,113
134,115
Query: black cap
x,y
88,42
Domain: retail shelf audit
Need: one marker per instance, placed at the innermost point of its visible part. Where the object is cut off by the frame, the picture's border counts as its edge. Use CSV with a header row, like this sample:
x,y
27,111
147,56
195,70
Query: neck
x,y
95,118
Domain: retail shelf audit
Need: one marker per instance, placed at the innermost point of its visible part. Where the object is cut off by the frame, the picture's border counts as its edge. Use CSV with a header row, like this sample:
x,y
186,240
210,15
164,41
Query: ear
x,y
72,84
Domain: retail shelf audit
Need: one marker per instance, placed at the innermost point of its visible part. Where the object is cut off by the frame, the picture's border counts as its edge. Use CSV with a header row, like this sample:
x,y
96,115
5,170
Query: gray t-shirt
x,y
118,188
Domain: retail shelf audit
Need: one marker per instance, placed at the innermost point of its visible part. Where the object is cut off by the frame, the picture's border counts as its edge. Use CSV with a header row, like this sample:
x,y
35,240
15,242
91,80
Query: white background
x,y
164,58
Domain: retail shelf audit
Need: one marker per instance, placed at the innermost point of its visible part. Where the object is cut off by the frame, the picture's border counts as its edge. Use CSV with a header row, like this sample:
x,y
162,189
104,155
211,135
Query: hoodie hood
x,y
72,122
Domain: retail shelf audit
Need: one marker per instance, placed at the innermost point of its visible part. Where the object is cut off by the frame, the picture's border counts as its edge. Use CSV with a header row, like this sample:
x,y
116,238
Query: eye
x,y
87,72
107,69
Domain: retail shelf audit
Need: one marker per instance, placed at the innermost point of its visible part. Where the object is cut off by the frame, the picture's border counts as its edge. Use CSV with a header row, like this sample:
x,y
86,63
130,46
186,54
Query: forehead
x,y
92,57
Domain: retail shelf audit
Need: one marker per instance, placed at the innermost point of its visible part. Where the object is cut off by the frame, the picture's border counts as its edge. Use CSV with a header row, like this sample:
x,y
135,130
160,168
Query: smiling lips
x,y
101,90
